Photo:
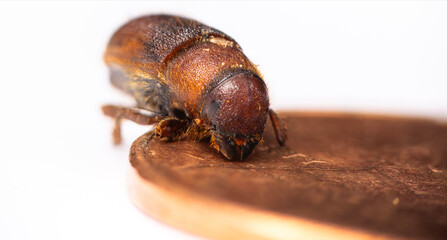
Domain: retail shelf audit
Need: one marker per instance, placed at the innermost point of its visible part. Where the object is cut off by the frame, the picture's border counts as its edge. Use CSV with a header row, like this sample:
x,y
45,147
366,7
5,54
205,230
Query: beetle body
x,y
194,80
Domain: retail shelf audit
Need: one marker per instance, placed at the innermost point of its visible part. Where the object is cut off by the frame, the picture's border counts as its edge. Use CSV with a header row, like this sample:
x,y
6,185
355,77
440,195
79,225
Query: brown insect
x,y
191,80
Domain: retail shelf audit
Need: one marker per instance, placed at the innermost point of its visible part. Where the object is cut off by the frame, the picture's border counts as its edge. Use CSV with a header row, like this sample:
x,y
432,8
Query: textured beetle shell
x,y
169,62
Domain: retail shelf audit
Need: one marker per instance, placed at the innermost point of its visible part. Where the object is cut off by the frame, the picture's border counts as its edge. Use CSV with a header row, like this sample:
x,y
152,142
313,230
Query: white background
x,y
60,176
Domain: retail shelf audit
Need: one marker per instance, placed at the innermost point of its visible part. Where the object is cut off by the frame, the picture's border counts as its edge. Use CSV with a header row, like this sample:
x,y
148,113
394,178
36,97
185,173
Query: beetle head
x,y
236,112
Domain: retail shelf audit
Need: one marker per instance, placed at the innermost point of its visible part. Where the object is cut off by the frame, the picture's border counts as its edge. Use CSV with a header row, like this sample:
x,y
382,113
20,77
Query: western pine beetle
x,y
189,79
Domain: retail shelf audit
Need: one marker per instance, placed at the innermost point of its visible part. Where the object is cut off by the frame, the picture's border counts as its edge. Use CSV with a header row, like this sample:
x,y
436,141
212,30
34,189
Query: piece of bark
x,y
339,176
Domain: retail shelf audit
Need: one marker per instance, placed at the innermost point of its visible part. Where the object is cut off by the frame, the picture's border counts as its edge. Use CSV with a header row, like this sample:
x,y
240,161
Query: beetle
x,y
191,80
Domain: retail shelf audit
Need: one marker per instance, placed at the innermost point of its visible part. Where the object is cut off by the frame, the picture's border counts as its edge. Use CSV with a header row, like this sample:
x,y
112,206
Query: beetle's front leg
x,y
279,127
171,128
138,115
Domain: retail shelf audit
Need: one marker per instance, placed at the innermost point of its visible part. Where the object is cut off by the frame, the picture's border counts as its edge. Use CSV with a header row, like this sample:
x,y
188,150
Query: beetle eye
x,y
211,111
214,106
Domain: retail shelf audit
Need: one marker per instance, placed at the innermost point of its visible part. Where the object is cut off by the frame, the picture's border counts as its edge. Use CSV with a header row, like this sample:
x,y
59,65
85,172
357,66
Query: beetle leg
x,y
117,130
171,128
279,127
138,115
